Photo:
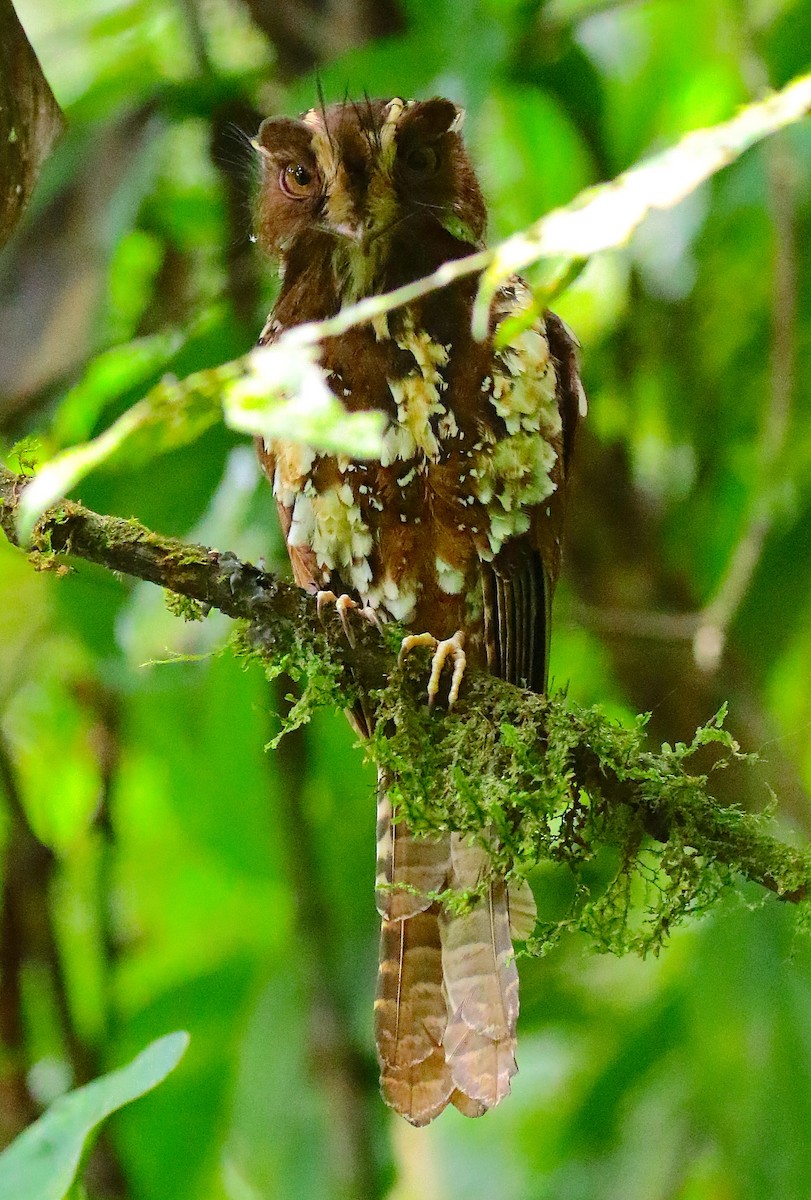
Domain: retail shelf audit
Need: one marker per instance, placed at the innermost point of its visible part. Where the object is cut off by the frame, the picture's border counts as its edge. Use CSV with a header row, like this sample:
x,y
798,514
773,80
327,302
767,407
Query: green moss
x,y
539,780
25,454
322,682
185,607
42,535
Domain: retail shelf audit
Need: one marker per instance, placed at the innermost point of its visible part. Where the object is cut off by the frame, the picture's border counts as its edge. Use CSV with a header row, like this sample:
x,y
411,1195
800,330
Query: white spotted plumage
x,y
503,475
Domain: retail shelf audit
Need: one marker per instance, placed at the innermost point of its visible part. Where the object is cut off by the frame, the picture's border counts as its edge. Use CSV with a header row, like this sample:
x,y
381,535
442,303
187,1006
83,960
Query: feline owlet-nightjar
x,y
455,531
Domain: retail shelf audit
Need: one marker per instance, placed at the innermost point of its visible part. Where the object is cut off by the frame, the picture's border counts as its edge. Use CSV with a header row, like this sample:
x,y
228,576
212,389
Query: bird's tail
x,y
447,989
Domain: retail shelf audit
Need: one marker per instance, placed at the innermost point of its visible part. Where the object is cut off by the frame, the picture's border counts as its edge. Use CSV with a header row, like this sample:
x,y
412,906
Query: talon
x,y
371,615
448,647
321,601
343,604
412,641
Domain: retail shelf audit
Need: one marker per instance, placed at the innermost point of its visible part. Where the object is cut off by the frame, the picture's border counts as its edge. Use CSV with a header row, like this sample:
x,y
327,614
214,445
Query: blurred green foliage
x,y
44,1160
159,871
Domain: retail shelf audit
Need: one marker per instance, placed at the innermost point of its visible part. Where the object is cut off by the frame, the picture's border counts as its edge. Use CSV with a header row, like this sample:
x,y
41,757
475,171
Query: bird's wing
x,y
479,971
518,584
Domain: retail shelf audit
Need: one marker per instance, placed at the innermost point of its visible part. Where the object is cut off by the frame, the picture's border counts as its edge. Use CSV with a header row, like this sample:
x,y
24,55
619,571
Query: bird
x,y
455,531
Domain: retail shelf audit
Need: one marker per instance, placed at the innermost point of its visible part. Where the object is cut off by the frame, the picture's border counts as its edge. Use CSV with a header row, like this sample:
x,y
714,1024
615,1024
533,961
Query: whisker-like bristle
x,y
358,116
236,152
322,107
374,126
232,130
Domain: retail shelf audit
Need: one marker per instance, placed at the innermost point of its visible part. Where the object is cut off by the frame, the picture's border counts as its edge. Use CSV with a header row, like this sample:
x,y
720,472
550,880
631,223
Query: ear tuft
x,y
431,118
278,135
458,121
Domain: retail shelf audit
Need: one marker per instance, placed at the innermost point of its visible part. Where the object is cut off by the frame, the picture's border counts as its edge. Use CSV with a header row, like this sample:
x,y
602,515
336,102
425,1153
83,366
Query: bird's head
x,y
367,175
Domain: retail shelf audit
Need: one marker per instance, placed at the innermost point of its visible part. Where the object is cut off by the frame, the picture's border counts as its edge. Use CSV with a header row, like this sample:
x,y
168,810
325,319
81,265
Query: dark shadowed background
x,y
159,871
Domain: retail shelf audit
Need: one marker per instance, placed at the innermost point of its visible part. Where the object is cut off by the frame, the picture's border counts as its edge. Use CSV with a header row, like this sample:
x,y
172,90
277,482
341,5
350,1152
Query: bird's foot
x,y
452,648
343,605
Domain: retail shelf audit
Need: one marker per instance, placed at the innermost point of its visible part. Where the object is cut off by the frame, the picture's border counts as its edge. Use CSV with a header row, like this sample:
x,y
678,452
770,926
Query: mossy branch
x,y
637,831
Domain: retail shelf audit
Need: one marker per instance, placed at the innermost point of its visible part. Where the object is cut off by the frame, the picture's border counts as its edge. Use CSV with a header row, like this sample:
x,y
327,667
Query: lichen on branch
x,y
640,840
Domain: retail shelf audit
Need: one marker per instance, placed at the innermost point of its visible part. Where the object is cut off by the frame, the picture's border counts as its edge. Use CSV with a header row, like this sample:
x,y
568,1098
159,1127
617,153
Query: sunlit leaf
x,y
284,393
42,1163
275,391
110,375
171,415
605,216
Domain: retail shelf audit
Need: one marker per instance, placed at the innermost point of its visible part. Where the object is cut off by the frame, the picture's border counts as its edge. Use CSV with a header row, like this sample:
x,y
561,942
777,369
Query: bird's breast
x,y
470,449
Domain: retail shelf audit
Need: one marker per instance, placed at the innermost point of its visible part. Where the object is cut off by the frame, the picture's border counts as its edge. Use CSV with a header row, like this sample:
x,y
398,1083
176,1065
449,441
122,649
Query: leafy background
x,y
159,871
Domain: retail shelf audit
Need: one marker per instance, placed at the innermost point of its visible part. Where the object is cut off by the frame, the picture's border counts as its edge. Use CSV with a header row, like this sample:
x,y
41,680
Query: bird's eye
x,y
297,181
422,160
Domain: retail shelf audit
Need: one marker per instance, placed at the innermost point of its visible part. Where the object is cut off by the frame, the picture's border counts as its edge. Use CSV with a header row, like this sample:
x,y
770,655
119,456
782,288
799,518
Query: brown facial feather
x,y
379,169
458,526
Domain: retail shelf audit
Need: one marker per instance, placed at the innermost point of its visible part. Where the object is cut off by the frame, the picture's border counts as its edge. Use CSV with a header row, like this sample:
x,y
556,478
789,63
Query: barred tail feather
x,y
447,987
467,1106
409,869
410,1017
481,983
410,1010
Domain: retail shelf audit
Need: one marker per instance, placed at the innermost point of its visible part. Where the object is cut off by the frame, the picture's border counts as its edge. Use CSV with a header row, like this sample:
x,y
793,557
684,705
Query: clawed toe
x,y
452,648
322,599
372,616
343,605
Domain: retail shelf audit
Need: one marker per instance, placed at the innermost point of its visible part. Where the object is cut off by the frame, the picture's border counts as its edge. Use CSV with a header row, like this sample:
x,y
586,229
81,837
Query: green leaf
x,y
42,1163
604,217
275,391
112,374
65,470
172,414
284,393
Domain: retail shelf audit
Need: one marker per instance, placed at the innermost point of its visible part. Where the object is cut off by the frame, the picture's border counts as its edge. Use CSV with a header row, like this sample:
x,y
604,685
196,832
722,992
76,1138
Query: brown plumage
x,y
456,529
